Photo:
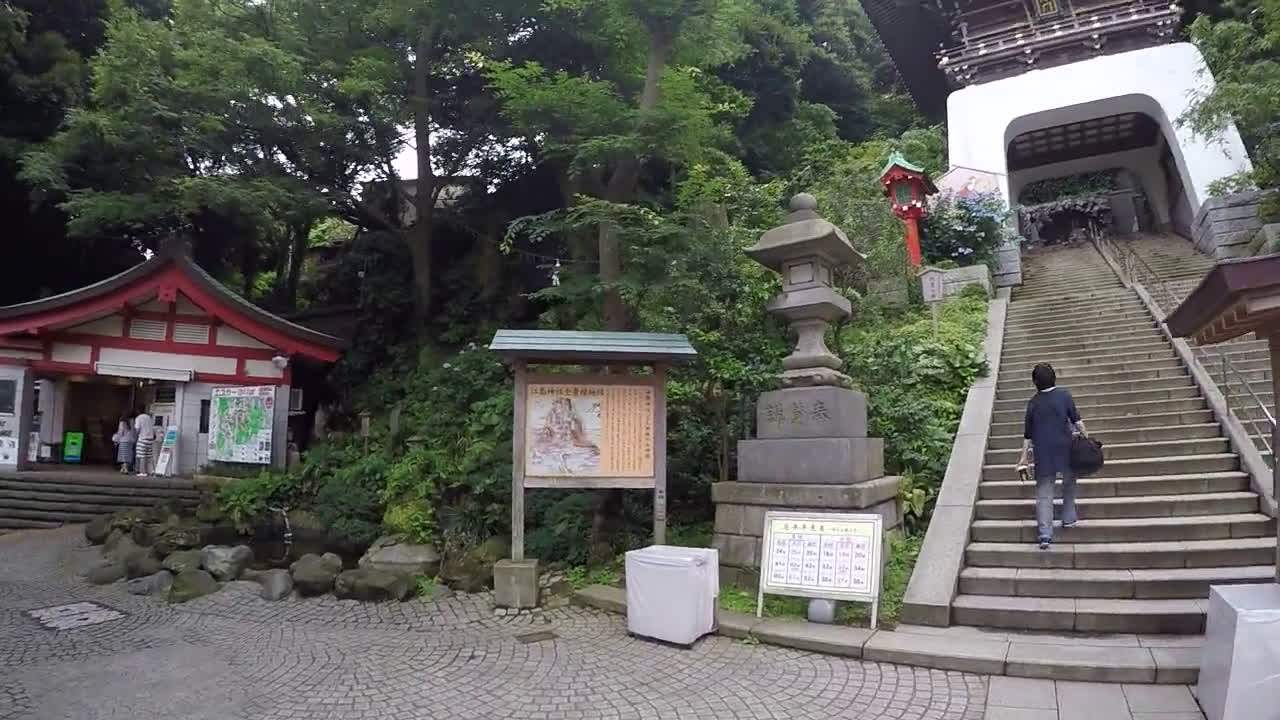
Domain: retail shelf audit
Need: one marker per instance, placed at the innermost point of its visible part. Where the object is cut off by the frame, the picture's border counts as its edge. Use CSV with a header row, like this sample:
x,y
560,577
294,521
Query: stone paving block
x,y
1091,701
1197,715
1007,713
1098,663
1160,698
815,637
1022,693
965,655
1169,641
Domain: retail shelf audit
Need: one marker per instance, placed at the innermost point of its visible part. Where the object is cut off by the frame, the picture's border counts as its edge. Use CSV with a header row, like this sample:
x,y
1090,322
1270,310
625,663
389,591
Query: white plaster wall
x,y
262,368
1159,81
234,338
71,353
111,326
18,424
21,354
1144,163
53,409
168,361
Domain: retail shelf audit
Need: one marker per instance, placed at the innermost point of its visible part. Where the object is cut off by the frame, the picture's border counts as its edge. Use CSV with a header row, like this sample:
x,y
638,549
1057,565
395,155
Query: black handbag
x,y
1086,456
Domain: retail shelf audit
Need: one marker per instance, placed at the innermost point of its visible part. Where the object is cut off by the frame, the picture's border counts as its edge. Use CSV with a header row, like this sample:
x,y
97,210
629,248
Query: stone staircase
x,y
1171,512
50,497
1181,266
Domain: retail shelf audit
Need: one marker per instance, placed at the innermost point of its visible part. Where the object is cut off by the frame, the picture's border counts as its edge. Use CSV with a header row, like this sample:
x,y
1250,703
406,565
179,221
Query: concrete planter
x,y
1225,225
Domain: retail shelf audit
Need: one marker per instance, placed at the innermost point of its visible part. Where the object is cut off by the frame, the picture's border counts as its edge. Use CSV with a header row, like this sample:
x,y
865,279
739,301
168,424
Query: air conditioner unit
x,y
295,399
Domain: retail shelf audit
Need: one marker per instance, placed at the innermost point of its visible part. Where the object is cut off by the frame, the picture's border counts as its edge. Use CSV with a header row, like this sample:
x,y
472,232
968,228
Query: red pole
x,y
913,241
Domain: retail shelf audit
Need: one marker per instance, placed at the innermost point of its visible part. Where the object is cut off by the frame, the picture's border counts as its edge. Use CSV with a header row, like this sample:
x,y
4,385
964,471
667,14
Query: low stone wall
x,y
1008,265
955,280
1225,225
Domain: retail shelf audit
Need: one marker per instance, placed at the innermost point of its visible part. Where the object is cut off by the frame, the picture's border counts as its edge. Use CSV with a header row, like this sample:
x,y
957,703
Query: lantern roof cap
x,y
898,159
804,233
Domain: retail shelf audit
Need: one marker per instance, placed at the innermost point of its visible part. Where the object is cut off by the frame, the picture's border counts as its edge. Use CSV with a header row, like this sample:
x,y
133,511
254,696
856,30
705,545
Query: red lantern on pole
x,y
907,186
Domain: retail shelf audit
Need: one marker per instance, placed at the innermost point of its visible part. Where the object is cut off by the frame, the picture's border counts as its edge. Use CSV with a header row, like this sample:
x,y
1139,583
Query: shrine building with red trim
x,y
160,336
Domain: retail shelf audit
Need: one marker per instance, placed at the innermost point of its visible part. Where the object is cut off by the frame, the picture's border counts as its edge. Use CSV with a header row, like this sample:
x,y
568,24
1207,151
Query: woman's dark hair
x,y
1043,376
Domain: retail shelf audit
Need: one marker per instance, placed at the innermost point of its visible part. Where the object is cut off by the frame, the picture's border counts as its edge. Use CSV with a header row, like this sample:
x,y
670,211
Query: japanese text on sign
x,y
828,555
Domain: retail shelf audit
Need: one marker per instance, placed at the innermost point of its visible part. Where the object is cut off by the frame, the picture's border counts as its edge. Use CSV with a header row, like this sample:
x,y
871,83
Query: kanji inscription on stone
x,y
74,615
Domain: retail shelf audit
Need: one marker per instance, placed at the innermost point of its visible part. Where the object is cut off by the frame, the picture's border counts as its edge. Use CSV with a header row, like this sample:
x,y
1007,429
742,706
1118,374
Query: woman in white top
x,y
124,440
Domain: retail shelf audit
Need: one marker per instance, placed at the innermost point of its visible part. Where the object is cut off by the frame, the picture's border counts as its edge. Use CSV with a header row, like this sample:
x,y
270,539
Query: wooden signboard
x,y
834,556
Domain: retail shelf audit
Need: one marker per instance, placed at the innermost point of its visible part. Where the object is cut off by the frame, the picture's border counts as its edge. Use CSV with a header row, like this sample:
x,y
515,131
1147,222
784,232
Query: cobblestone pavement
x,y
233,655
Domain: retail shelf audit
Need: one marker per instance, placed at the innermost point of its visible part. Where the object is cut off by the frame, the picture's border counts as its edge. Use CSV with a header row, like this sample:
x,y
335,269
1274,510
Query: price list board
x,y
834,556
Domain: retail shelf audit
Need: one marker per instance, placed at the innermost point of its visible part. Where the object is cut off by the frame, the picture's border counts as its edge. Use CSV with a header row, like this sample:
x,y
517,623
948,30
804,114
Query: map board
x,y
587,430
822,555
240,424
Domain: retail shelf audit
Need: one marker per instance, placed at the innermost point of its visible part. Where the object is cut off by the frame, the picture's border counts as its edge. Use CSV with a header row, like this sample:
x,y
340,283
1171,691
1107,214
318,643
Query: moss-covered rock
x,y
190,585
181,561
313,575
372,585
97,530
472,570
106,574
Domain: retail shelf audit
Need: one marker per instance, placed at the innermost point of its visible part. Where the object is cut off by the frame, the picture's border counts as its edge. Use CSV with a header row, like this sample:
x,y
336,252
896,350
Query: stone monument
x,y
811,450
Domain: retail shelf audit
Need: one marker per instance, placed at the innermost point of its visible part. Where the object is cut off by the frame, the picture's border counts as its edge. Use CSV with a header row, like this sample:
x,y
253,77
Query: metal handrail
x,y
1136,269
1229,367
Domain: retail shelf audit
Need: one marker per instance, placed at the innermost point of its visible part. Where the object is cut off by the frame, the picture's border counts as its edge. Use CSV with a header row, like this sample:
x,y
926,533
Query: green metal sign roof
x,y
570,345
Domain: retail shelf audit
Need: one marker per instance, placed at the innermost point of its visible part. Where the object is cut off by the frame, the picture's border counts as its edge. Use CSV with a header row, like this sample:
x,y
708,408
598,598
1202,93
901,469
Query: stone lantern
x,y
907,186
811,449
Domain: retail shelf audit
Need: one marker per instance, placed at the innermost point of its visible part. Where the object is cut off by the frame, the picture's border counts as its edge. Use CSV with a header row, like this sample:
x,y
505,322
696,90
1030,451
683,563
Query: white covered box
x,y
1240,662
672,592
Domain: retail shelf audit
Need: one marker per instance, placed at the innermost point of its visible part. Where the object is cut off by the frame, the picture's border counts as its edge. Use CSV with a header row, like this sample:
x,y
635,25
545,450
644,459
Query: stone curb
x,y
1251,461
961,649
937,572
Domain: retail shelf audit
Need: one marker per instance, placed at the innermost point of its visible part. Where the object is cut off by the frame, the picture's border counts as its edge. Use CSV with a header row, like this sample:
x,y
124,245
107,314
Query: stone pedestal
x,y
812,454
515,583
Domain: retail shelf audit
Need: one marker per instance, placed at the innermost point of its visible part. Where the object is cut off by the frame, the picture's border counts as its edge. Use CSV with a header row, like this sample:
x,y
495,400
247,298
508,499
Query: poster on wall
x,y
582,430
8,451
240,424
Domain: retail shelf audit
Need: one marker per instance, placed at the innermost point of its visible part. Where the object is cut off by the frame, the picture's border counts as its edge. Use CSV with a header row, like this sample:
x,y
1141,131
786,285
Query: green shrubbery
x,y
965,230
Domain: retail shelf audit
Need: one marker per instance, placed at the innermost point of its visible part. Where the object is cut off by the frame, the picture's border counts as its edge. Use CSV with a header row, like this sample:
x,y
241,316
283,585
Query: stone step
x,y
1082,365
1155,583
1133,451
1039,307
1103,423
1174,617
1124,487
1098,320
58,517
71,506
1085,397
1134,506
1015,337
1083,342
1098,383
128,500
1131,555
1157,529
1022,366
1111,410
1067,312
1112,438
13,523
1134,347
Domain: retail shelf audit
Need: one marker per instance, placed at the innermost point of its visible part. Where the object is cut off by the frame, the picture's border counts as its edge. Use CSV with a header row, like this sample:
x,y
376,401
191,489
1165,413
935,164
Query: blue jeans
x,y
1044,503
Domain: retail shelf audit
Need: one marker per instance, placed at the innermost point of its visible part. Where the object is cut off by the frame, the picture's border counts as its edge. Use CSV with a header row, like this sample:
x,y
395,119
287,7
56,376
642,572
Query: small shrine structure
x,y
811,450
908,186
1238,297
576,430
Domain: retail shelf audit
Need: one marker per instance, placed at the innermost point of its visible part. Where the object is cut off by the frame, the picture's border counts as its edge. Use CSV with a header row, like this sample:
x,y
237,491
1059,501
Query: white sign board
x,y
167,460
834,556
240,424
931,285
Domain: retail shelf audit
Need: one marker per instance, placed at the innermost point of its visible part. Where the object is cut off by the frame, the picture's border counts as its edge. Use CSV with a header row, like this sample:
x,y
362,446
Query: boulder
x,y
177,536
98,529
276,584
106,574
141,564
332,560
190,585
126,519
472,570
154,584
225,563
164,511
394,553
372,585
113,538
208,512
182,561
312,575
147,533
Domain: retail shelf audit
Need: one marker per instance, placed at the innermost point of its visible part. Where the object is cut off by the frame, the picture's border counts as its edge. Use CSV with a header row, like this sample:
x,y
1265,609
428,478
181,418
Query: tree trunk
x,y
297,254
617,316
419,236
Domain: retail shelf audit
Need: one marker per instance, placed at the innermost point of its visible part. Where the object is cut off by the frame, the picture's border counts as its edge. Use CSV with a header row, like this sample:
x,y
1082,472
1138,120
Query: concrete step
x,y
1068,312
1134,506
1175,617
1124,487
1156,583
1111,438
1103,345
1098,320
1126,555
1104,382
1039,306
10,523
57,517
8,496
1076,334
71,506
1111,410
1105,423
1086,397
1157,529
1022,366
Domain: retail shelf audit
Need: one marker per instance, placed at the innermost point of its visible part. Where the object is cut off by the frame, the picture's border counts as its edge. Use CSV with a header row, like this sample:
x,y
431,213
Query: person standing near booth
x,y
125,441
145,427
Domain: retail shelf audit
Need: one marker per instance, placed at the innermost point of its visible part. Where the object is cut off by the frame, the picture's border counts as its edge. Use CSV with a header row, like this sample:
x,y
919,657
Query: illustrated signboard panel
x,y
584,430
822,555
240,424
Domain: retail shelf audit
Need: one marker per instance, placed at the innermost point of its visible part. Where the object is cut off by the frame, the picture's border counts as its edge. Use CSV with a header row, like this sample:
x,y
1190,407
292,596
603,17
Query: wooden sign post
x,y
578,430
933,289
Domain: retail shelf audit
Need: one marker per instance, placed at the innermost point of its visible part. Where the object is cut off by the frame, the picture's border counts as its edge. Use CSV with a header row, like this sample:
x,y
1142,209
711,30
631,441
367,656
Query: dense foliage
x,y
1043,191
963,229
